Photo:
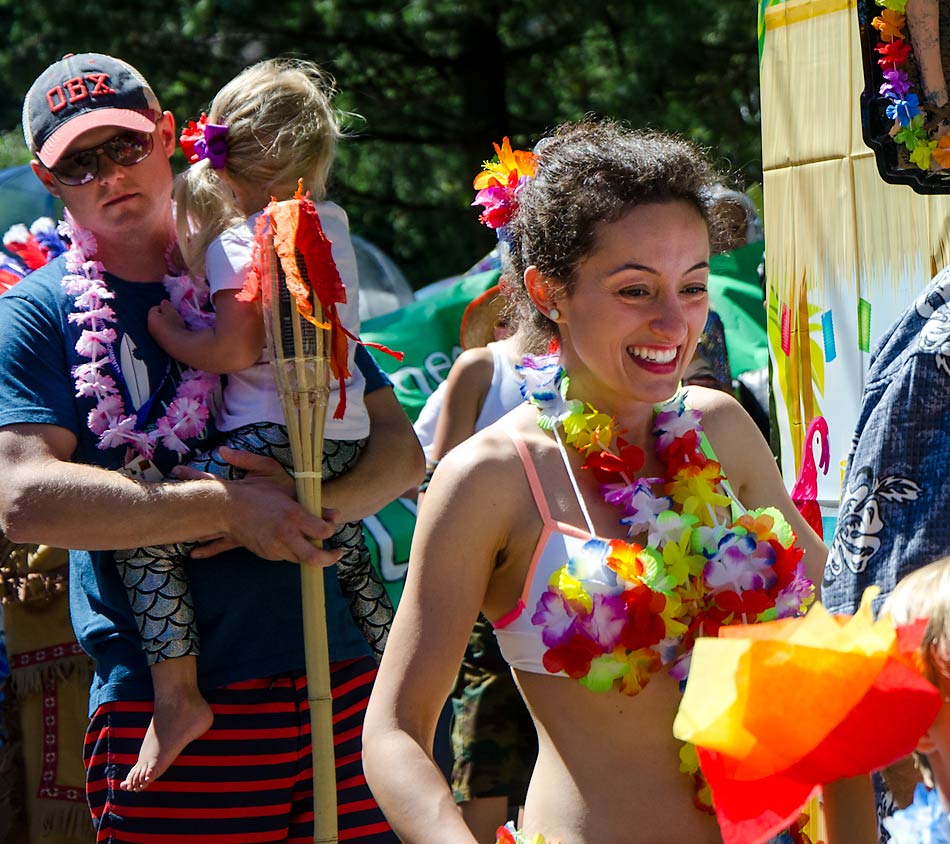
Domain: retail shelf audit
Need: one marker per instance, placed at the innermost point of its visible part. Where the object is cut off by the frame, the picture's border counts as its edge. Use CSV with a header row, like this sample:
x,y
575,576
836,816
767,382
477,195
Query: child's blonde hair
x,y
281,127
925,593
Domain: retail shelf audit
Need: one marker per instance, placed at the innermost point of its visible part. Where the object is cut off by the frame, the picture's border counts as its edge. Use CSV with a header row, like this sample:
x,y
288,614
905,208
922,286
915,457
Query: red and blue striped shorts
x,y
248,779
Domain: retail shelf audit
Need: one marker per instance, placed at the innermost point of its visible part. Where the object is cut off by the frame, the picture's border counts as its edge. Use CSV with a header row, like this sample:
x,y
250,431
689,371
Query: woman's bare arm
x,y
850,813
458,537
465,391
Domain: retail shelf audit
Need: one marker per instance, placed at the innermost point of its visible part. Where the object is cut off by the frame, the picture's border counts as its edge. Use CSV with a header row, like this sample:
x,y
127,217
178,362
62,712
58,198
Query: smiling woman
x,y
594,525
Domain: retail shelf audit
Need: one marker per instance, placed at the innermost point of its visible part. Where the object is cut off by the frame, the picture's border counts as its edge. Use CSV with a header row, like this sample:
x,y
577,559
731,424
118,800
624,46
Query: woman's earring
x,y
554,313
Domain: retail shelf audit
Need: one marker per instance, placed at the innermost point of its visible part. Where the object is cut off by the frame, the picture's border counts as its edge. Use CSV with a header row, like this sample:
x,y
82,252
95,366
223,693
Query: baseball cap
x,y
81,92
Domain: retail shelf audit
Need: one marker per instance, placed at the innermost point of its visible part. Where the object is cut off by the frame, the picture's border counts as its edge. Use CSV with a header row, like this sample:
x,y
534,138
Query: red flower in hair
x,y
190,135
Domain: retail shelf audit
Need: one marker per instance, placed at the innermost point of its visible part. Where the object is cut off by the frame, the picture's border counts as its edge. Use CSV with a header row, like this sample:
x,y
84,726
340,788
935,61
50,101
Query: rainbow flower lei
x,y
187,415
905,107
507,834
620,610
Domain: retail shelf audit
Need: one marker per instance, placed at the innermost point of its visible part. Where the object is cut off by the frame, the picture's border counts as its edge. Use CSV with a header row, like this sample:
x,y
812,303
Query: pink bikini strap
x,y
532,474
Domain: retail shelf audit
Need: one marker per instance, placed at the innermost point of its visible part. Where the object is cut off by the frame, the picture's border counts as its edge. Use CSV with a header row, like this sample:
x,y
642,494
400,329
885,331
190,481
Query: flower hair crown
x,y
203,140
500,181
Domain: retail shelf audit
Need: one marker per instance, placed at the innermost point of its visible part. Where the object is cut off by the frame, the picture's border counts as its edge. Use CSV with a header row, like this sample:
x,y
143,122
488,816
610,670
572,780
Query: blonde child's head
x,y
925,593
281,127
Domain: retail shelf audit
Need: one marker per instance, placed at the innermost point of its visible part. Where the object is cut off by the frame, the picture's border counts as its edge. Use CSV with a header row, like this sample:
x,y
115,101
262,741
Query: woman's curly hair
x,y
589,173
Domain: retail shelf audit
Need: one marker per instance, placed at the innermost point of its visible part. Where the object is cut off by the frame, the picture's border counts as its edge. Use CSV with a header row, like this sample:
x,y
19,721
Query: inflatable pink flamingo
x,y
805,491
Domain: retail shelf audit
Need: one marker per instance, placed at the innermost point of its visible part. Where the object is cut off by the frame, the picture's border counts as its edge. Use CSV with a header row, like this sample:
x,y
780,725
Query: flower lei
x,y
29,250
499,183
507,834
187,414
924,821
905,107
620,610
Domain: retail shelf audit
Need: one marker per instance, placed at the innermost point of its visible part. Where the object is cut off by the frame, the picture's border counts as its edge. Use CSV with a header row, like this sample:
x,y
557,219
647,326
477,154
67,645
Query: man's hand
x,y
265,518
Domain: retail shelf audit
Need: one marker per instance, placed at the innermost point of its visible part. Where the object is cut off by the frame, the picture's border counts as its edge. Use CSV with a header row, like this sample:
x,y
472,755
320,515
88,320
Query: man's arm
x,y
46,499
392,462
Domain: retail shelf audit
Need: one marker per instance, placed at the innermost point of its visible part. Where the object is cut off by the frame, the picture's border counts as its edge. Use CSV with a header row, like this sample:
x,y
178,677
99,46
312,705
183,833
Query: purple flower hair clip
x,y
205,140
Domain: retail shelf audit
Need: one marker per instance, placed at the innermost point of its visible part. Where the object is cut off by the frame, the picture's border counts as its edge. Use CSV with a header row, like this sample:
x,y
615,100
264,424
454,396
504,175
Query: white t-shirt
x,y
251,394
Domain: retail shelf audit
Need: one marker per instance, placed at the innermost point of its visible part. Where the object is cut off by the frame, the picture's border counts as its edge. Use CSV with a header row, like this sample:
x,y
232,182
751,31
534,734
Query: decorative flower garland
x,y
29,250
905,107
619,611
507,834
187,414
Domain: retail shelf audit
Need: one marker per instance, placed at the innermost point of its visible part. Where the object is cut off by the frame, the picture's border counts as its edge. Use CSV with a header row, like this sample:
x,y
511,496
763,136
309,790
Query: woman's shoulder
x,y
473,363
492,454
718,408
735,438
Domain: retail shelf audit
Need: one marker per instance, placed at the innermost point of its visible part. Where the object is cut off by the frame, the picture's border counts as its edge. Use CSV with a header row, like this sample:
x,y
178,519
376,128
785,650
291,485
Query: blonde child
x,y
925,593
270,126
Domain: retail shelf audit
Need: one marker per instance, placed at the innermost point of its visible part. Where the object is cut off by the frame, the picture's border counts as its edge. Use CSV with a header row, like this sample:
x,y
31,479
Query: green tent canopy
x,y
735,293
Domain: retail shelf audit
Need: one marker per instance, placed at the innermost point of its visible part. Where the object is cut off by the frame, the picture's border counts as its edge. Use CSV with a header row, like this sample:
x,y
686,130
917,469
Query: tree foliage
x,y
435,81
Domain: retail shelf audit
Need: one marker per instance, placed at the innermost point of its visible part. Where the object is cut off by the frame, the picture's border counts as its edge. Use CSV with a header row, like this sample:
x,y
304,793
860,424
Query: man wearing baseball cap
x,y
90,417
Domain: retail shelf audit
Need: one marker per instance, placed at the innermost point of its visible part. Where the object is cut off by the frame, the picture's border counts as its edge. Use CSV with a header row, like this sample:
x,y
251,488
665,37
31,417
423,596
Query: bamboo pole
x,y
300,364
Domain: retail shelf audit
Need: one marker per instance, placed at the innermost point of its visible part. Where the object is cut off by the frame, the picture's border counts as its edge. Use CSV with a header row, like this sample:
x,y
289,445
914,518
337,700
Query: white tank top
x,y
504,392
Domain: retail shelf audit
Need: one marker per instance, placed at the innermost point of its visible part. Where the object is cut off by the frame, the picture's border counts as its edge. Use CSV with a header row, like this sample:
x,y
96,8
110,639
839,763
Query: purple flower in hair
x,y
205,140
214,145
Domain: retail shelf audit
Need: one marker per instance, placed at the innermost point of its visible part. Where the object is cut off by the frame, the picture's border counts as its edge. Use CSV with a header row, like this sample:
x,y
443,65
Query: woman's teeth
x,y
657,355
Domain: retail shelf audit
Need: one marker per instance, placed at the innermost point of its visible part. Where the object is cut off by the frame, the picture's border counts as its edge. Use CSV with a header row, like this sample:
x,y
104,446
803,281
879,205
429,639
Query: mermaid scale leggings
x,y
157,581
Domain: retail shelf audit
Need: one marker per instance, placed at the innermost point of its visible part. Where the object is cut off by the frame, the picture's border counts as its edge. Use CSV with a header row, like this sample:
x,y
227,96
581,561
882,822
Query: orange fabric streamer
x,y
251,290
778,709
285,220
292,229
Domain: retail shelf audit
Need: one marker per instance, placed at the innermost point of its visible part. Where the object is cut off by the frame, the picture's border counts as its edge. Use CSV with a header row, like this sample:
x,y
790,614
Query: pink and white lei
x,y
187,415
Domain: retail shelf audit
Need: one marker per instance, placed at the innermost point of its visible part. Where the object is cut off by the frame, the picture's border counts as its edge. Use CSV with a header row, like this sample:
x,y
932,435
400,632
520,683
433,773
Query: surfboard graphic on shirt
x,y
134,373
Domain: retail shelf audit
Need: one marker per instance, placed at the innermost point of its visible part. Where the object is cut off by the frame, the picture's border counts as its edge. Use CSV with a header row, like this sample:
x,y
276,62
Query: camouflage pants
x,y
494,740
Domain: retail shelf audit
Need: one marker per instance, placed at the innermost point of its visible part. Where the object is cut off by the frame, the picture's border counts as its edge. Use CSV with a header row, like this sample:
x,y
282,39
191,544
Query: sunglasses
x,y
82,167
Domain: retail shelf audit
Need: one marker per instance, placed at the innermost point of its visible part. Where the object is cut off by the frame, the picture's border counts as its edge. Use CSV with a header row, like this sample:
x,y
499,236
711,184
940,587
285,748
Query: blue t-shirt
x,y
248,610
895,511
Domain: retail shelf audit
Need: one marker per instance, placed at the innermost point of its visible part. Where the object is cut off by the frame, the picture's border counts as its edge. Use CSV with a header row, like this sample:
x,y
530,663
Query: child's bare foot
x,y
176,722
